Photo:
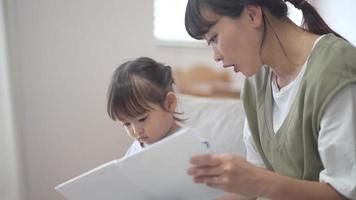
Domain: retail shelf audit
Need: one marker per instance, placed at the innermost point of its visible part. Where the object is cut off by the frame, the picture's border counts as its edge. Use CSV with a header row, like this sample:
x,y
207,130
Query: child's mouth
x,y
142,139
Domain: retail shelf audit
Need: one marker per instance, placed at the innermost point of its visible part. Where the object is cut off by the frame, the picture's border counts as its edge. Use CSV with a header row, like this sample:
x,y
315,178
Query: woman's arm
x,y
283,187
336,137
336,146
231,196
337,142
235,175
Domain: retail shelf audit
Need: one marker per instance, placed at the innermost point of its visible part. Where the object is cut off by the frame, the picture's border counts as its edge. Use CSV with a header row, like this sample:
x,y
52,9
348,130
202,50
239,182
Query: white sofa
x,y
219,120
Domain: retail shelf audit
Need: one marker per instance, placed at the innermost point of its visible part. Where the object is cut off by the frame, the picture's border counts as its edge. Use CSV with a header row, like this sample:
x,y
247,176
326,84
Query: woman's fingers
x,y
230,173
208,169
204,171
204,165
212,181
205,160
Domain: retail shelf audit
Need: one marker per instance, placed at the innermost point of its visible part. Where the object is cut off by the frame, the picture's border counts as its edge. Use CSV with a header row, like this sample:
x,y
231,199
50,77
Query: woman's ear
x,y
255,14
171,102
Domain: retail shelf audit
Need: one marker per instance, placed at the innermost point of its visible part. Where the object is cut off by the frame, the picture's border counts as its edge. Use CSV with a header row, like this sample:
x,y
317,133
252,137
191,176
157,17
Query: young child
x,y
141,97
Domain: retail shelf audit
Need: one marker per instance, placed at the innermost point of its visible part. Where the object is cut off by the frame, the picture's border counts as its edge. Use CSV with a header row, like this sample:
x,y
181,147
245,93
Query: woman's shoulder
x,y
331,47
332,57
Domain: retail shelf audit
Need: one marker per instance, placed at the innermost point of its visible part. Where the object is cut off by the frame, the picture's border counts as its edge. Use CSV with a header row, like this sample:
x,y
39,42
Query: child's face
x,y
151,126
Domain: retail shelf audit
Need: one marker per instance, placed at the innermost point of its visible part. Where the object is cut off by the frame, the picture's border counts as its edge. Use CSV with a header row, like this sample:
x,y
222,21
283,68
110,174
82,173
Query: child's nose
x,y
138,131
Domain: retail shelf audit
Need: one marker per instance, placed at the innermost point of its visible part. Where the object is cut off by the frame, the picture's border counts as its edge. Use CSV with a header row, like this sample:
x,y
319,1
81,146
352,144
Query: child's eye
x,y
142,119
126,124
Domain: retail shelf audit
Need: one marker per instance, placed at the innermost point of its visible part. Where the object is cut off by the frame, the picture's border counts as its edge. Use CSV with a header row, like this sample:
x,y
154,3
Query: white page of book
x,y
157,172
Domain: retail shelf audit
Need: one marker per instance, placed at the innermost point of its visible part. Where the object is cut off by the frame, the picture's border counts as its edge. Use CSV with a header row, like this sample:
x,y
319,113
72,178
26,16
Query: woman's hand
x,y
231,196
226,172
234,174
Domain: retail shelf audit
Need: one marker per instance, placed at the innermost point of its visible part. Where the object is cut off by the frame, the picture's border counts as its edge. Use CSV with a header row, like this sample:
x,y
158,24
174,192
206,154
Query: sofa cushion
x,y
219,120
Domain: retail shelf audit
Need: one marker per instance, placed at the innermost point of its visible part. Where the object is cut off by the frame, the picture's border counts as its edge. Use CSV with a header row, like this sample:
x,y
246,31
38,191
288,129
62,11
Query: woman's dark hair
x,y
137,83
197,25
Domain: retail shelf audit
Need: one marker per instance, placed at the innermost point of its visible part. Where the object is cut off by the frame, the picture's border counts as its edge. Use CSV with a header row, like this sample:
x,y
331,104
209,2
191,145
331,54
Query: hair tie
x,y
167,67
301,4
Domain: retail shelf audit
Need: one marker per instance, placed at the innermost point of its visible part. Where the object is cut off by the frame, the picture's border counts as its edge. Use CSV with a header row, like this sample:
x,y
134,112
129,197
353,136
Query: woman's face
x,y
236,42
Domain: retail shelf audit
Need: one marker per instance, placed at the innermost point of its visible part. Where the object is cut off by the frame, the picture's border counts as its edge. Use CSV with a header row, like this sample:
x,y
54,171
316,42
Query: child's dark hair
x,y
137,83
197,26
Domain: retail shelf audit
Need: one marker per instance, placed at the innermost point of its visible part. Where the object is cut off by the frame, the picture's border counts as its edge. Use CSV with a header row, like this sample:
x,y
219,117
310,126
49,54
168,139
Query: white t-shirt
x,y
336,140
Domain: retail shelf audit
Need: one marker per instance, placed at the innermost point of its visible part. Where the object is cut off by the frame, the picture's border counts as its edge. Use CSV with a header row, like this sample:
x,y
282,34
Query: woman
x,y
299,97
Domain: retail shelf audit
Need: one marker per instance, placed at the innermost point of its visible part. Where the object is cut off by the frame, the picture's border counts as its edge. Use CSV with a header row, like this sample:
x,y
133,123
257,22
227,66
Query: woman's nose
x,y
217,55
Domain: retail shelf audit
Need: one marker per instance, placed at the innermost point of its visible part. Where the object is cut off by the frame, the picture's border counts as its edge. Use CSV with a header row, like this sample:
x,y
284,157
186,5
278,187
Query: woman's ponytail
x,y
312,22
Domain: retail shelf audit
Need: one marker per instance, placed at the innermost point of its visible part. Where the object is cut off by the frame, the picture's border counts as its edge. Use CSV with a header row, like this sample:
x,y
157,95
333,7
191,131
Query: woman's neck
x,y
286,48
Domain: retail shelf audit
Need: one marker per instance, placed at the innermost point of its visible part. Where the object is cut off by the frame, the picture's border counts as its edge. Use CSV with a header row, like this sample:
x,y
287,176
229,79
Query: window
x,y
169,28
294,14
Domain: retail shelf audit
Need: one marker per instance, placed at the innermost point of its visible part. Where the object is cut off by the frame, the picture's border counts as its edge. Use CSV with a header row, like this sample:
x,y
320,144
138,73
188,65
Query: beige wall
x,y
9,167
339,15
62,55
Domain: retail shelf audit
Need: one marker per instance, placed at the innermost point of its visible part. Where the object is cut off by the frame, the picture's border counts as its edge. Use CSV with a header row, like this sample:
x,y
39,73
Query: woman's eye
x,y
126,124
212,40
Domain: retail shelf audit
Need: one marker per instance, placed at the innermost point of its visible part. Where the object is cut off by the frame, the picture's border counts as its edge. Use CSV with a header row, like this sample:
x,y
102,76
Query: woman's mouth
x,y
232,65
227,66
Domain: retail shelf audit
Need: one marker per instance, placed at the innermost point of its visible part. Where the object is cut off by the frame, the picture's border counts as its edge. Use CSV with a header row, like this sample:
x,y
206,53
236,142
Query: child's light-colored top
x,y
136,146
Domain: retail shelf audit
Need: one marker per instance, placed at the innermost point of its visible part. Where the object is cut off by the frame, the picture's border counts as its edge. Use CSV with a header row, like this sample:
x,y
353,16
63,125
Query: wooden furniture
x,y
202,80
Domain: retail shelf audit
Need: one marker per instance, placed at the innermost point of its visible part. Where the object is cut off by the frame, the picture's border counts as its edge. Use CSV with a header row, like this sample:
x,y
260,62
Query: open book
x,y
157,172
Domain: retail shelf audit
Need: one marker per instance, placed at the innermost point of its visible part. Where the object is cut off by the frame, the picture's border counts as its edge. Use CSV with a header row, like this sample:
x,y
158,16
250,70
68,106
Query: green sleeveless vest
x,y
293,149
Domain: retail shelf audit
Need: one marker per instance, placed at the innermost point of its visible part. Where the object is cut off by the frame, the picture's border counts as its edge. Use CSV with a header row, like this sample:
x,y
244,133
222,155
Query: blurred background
x,y
56,60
